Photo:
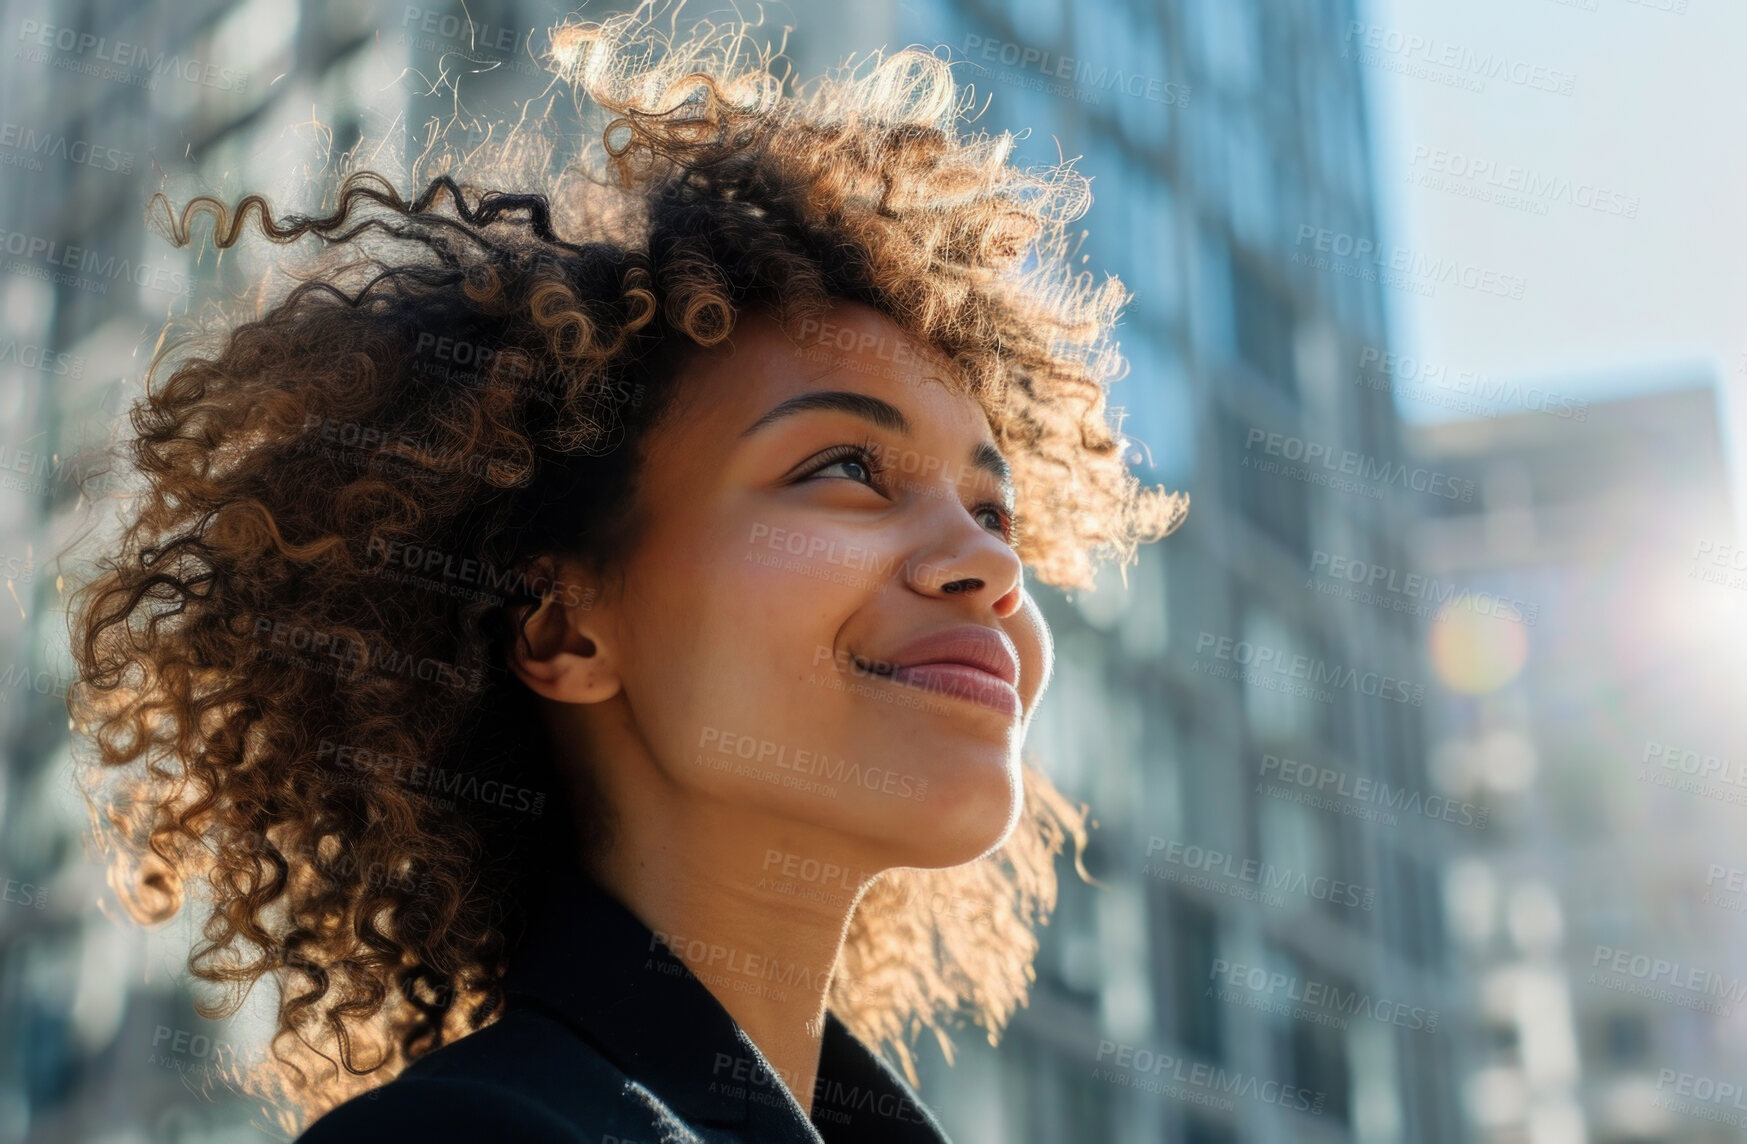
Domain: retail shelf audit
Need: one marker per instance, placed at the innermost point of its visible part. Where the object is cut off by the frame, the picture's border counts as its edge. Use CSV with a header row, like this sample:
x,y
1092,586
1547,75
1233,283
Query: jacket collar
x,y
594,965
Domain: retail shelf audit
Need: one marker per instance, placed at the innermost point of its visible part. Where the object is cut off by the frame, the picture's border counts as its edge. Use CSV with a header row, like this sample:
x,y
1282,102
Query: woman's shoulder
x,y
524,1077
441,1109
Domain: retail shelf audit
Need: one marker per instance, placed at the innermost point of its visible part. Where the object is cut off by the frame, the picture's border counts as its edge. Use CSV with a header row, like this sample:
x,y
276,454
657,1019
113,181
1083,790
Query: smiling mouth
x,y
948,679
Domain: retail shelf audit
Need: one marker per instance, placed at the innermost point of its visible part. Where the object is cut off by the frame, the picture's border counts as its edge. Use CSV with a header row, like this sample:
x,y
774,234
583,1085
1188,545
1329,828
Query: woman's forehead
x,y
858,334
850,346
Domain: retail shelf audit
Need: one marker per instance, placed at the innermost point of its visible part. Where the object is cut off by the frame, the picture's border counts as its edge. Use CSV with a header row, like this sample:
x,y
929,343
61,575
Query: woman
x,y
577,640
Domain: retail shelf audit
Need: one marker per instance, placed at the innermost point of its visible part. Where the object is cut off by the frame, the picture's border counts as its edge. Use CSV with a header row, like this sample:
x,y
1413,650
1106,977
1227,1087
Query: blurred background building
x,y
1356,866
1579,697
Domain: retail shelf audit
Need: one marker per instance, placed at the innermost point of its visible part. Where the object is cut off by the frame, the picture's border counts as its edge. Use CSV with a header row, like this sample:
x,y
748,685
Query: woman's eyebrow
x,y
989,459
881,413
869,408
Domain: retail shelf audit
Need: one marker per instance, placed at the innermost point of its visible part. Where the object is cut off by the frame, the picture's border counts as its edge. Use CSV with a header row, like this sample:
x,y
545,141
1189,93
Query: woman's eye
x,y
1002,523
859,466
853,463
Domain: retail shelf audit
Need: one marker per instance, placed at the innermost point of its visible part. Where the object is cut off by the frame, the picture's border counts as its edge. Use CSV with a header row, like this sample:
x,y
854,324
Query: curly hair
x,y
266,697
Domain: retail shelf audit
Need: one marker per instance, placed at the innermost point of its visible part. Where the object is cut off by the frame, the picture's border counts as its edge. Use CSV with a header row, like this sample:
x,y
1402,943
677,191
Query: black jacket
x,y
608,1038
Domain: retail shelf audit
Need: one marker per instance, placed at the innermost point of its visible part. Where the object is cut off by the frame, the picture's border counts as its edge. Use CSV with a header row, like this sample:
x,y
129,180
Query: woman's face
x,y
823,617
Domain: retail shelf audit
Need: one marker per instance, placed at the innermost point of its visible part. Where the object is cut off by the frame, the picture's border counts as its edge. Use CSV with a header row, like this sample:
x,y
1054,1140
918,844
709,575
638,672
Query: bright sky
x,y
1656,113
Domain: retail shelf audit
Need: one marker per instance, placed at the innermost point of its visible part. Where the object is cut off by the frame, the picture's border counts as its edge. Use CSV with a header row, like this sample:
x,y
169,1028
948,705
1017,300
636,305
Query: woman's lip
x,y
961,681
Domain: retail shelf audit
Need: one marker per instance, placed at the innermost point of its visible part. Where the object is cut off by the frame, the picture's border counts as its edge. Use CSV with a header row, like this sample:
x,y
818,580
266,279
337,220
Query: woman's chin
x,y
955,852
955,824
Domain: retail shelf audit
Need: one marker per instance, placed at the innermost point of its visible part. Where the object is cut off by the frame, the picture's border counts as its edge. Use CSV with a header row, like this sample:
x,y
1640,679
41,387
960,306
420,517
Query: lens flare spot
x,y
1474,654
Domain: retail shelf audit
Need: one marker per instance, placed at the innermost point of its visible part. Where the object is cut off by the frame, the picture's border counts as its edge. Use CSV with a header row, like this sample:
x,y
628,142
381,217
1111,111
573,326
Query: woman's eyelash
x,y
865,453
868,454
1009,519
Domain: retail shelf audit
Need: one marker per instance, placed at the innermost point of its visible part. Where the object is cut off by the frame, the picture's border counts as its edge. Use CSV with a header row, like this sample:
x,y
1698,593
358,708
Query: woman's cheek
x,y
1036,647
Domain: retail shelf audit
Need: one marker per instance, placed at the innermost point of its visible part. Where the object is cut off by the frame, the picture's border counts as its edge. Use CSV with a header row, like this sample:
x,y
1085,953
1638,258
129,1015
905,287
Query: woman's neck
x,y
713,884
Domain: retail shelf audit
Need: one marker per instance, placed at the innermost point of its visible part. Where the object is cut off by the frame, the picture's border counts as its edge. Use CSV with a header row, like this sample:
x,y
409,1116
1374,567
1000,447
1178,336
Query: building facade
x,y
1587,662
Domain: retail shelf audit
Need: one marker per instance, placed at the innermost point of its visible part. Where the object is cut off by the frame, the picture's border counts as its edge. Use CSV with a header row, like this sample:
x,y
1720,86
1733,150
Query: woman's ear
x,y
558,645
